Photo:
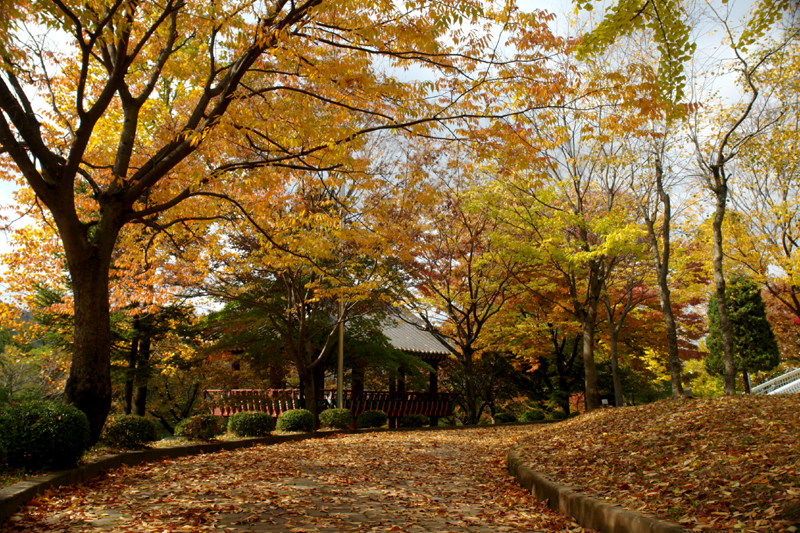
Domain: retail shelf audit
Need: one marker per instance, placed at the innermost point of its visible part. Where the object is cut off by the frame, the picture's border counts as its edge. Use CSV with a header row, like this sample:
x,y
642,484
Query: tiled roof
x,y
409,338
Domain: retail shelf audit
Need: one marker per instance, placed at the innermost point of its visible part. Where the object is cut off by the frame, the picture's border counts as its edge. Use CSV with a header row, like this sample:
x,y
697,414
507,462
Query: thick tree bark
x,y
589,325
589,367
726,329
310,391
89,384
133,357
470,396
563,365
612,345
676,381
142,378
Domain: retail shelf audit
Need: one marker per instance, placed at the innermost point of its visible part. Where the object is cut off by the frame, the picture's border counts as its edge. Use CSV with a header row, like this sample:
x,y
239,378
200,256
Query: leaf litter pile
x,y
443,481
709,464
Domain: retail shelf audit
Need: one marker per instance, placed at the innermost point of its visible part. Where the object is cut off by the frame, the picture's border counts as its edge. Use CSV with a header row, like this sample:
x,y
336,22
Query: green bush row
x,y
537,414
129,431
43,435
373,418
201,427
251,424
505,418
336,418
413,421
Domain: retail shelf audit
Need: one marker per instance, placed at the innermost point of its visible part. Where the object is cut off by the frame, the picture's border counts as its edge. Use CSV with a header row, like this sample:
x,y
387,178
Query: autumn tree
x,y
716,148
765,207
149,108
538,329
459,272
567,200
625,292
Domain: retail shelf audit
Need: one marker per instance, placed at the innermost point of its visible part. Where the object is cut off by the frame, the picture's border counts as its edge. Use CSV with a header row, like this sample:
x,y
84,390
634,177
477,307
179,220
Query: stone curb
x,y
15,496
589,512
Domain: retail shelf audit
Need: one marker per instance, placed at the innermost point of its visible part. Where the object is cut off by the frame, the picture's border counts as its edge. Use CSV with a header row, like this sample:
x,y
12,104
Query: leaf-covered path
x,y
395,481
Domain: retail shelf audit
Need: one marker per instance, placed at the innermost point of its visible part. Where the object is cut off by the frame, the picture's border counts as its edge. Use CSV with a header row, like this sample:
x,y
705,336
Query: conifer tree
x,y
755,347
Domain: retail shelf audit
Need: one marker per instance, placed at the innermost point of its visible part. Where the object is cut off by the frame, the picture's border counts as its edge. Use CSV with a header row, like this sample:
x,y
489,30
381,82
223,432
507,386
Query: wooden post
x,y
433,389
392,398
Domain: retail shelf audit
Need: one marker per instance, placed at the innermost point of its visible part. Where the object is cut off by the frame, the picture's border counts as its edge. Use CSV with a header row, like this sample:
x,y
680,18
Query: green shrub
x,y
533,415
201,427
251,424
43,435
413,421
129,431
336,418
296,420
557,414
505,418
374,418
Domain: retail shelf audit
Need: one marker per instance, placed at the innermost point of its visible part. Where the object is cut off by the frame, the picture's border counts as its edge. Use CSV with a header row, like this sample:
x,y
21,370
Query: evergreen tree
x,y
755,347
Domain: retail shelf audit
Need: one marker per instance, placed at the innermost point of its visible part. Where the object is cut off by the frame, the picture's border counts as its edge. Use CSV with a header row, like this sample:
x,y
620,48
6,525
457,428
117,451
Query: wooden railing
x,y
396,404
272,401
276,401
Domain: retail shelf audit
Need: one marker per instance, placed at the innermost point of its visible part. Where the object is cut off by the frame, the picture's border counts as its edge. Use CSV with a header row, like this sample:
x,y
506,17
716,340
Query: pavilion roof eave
x,y
409,338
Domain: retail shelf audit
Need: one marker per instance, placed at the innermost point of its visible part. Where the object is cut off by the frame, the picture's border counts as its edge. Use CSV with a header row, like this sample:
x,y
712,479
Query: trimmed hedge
x,y
43,435
557,414
413,421
251,424
129,431
533,415
296,420
373,418
505,418
201,427
336,418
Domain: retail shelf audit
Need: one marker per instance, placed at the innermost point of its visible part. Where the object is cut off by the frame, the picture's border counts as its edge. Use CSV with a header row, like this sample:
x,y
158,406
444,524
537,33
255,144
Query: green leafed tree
x,y
755,347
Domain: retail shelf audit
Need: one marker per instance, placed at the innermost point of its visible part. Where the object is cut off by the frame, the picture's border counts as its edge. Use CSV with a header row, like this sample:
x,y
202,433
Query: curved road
x,y
442,481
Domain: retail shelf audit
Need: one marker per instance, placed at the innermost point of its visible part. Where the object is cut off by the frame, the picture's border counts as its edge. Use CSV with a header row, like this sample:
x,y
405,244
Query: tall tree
x,y
566,199
715,153
153,106
459,271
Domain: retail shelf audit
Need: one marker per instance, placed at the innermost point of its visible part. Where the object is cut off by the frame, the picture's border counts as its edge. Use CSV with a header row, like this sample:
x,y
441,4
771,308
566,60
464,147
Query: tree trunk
x,y
672,339
142,378
310,388
729,379
358,375
563,366
133,357
470,396
613,334
661,262
746,378
589,323
89,384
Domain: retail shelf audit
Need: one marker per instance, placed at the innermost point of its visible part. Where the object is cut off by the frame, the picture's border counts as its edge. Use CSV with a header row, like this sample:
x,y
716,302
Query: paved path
x,y
444,481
